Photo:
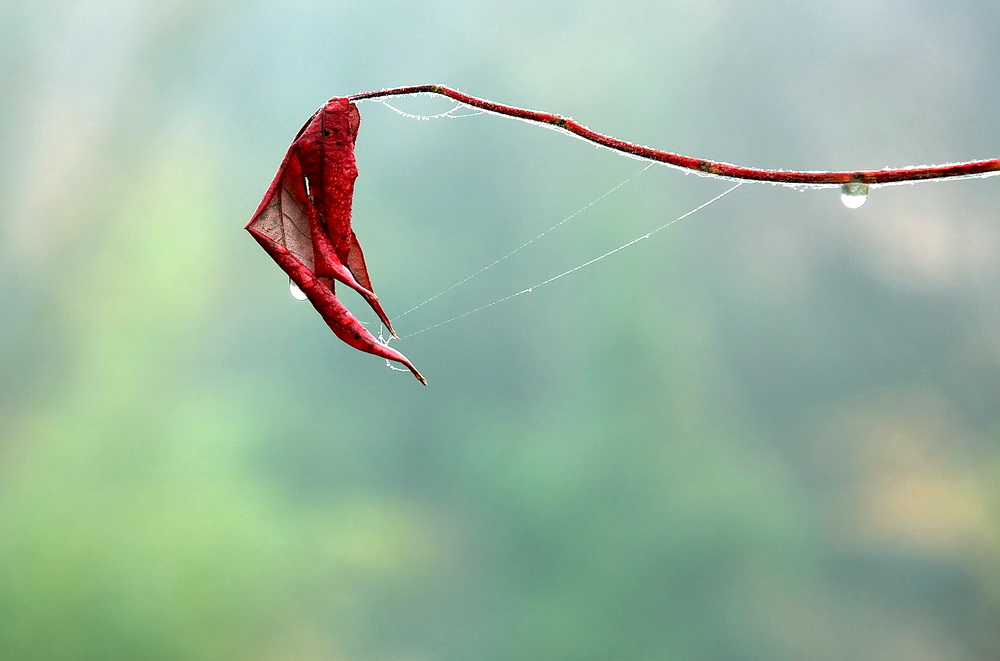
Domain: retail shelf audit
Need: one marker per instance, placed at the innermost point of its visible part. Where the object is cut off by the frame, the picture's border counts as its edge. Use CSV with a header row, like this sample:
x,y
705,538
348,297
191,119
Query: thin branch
x,y
712,168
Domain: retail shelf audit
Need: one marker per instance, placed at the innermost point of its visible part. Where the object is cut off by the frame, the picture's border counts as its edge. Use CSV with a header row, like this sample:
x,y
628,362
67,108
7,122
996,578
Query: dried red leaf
x,y
304,224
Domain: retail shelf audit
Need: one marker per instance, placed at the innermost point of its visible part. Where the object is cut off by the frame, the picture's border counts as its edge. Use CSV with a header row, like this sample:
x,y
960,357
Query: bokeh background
x,y
769,432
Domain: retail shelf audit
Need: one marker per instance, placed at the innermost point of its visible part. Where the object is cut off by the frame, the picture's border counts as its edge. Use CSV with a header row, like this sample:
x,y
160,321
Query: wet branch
x,y
853,182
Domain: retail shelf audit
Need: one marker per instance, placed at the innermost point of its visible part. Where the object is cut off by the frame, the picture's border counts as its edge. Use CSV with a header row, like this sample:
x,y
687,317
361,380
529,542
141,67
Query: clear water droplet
x,y
854,194
297,293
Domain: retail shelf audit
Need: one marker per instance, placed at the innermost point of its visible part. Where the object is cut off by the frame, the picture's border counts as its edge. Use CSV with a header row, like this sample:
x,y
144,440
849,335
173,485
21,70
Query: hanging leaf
x,y
304,224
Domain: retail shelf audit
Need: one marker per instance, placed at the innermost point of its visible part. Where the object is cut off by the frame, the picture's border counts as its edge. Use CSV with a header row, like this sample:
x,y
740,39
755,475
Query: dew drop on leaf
x,y
854,194
295,291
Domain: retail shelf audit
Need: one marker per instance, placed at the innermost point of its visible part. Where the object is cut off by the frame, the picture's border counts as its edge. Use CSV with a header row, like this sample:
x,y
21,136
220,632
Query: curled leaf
x,y
304,224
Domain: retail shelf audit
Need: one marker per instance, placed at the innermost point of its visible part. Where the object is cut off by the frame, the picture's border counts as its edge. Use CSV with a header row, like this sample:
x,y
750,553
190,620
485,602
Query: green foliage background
x,y
769,432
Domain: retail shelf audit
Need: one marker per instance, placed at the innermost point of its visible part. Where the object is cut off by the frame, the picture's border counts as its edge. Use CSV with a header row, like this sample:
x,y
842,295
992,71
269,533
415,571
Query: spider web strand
x,y
526,243
529,290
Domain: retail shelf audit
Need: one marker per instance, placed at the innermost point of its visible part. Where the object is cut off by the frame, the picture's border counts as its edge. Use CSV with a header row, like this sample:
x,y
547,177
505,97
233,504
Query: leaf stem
x,y
702,166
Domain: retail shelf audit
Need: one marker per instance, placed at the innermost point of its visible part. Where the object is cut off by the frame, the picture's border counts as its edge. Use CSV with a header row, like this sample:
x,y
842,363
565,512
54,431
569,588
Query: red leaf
x,y
304,223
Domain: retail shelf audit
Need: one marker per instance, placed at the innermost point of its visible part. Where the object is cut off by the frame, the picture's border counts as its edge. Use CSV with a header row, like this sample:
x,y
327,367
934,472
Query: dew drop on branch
x,y
854,194
294,290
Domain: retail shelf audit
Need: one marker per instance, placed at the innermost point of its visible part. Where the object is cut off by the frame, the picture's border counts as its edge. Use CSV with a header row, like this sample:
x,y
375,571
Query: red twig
x,y
728,170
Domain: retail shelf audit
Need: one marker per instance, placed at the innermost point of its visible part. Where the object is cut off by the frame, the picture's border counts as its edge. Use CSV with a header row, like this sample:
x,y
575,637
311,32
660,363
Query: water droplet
x,y
854,194
297,293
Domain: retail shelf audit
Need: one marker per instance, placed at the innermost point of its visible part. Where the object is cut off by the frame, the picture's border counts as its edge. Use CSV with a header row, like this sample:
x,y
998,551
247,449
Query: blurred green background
x,y
769,432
